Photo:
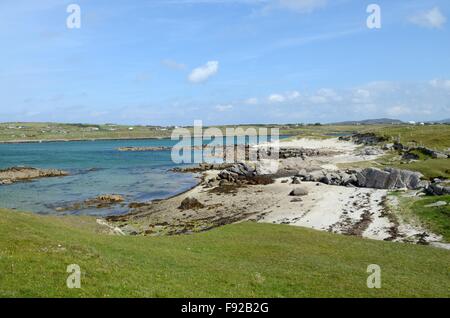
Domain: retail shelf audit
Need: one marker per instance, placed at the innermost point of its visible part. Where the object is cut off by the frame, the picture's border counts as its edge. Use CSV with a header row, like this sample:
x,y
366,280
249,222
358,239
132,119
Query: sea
x,y
95,168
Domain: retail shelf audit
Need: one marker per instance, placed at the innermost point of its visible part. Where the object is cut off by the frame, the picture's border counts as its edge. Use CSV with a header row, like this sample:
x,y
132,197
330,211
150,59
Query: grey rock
x,y
297,192
371,151
129,230
438,189
389,178
436,204
190,204
410,156
296,180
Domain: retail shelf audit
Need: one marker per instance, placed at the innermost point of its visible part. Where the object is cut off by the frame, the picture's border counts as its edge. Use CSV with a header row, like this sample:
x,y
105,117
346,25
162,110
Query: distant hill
x,y
379,121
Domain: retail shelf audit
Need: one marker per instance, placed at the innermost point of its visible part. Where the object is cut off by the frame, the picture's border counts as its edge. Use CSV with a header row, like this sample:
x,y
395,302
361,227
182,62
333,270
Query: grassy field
x,y
242,260
436,219
54,131
430,168
431,136
434,136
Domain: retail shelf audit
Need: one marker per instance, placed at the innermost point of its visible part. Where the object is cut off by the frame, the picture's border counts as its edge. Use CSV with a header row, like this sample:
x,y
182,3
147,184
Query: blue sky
x,y
223,61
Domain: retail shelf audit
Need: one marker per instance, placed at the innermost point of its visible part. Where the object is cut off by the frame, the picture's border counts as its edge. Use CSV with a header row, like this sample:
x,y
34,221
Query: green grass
x,y
431,136
55,131
242,260
431,168
436,219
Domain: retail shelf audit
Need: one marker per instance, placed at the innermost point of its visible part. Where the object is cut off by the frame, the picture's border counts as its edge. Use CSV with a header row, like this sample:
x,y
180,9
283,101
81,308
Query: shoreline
x,y
32,141
79,139
363,212
267,198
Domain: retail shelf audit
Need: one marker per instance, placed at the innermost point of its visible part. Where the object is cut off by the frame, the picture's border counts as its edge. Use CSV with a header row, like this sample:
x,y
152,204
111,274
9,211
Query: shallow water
x,y
95,167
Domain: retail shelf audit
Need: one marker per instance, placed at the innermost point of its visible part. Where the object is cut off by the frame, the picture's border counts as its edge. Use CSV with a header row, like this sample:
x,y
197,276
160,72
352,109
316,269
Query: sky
x,y
170,62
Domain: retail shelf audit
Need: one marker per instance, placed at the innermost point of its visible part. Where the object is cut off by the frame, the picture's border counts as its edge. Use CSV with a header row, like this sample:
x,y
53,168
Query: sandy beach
x,y
364,212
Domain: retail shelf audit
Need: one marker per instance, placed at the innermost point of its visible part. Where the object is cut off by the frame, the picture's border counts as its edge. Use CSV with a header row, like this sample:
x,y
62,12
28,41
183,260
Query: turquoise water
x,y
95,167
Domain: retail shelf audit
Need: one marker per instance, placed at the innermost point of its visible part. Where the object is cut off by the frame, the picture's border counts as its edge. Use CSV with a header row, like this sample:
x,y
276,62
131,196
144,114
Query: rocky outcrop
x,y
17,174
285,153
143,149
236,171
110,198
190,204
203,167
373,139
389,178
342,178
366,139
432,153
371,151
100,202
438,189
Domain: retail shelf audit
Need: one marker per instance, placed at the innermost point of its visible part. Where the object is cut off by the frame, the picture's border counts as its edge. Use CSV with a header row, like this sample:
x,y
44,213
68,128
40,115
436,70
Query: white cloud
x,y
276,98
223,108
433,18
281,98
203,73
292,95
419,101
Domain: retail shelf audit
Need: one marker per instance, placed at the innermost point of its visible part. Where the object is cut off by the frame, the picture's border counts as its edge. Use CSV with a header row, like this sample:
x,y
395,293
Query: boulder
x,y
129,230
238,169
366,139
371,151
436,204
190,204
389,178
296,180
438,189
410,156
110,198
297,192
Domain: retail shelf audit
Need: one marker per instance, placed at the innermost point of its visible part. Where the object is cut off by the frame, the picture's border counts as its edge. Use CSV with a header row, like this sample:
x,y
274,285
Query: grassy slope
x,y
437,219
435,137
243,260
